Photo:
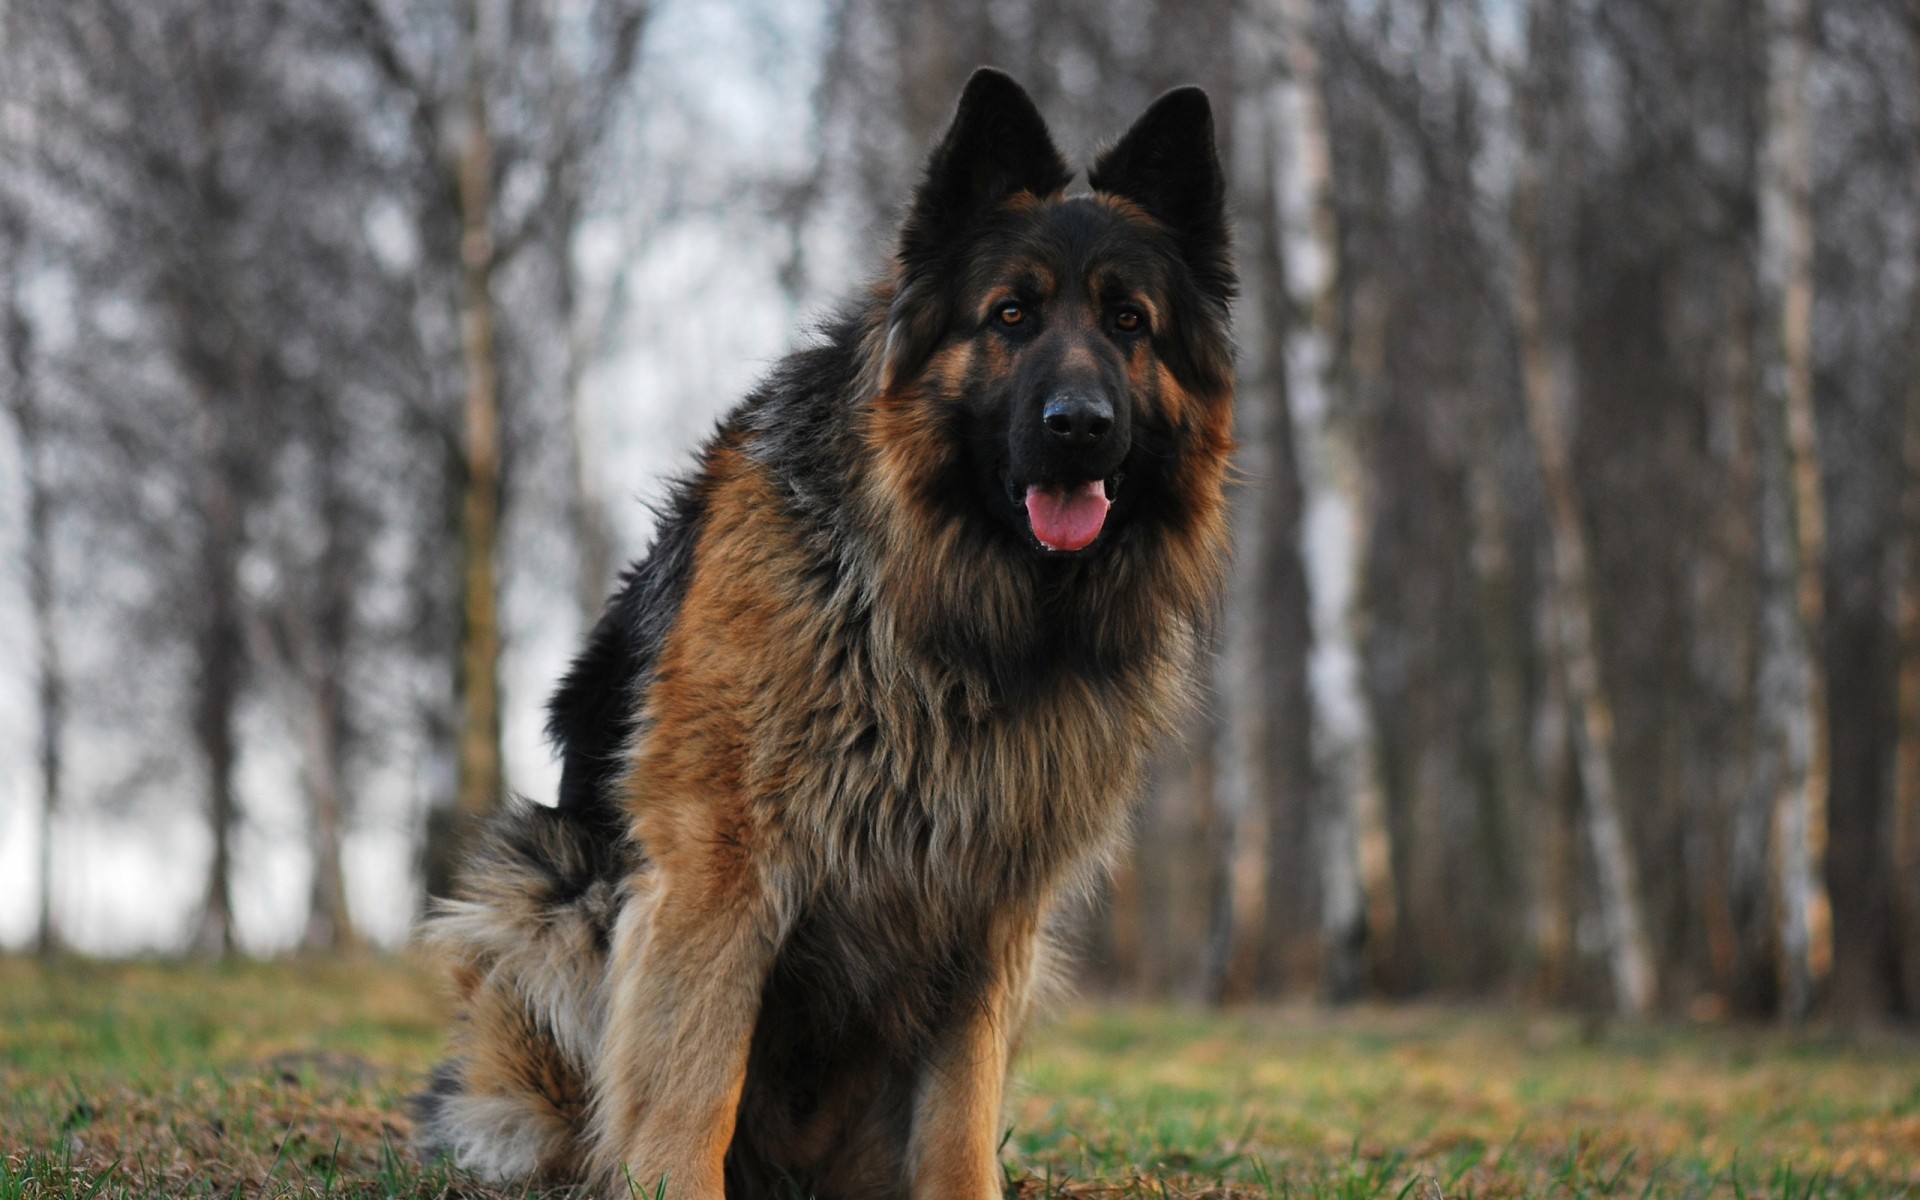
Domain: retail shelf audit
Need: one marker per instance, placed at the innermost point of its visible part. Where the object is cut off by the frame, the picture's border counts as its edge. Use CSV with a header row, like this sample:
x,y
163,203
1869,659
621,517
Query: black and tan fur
x,y
850,734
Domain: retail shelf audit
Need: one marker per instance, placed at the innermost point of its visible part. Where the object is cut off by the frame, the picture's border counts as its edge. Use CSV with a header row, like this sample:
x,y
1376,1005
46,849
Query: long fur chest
x,y
866,771
898,808
798,705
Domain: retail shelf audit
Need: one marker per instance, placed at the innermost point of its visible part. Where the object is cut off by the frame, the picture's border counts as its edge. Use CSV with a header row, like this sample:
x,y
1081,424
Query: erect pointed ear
x,y
996,147
1167,164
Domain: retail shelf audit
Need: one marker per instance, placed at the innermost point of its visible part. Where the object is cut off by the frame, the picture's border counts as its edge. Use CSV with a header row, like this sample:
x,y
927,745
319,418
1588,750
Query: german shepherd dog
x,y
873,706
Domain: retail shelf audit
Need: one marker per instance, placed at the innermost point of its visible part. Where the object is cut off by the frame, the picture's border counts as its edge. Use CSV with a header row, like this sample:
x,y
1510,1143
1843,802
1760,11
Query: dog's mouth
x,y
1066,517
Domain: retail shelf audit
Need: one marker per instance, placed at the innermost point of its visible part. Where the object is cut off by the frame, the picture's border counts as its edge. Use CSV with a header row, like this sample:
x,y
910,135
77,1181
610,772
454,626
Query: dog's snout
x,y
1077,418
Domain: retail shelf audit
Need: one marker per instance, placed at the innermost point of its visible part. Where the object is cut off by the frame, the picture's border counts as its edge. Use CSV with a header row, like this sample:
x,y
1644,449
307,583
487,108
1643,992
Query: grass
x,y
290,1079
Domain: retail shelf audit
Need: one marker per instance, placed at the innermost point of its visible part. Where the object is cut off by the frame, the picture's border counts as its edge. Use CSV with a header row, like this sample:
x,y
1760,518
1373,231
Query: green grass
x,y
290,1079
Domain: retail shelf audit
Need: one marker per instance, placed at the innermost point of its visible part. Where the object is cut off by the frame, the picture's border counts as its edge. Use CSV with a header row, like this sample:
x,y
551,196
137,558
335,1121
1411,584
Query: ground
x,y
290,1078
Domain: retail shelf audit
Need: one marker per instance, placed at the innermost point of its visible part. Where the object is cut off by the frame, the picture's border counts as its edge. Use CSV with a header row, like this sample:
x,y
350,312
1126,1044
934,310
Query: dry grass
x,y
290,1079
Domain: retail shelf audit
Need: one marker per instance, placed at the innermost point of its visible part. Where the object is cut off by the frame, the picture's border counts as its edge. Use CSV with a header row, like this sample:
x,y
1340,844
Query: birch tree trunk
x,y
1292,776
1792,700
321,647
220,652
1263,752
1242,828
1738,916
1904,823
1503,655
49,678
1356,888
479,783
329,924
1550,833
221,660
1752,887
1904,843
1241,798
224,373
1549,385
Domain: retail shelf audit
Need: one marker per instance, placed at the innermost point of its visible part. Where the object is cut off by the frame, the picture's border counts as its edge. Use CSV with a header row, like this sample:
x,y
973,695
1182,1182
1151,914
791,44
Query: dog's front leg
x,y
954,1152
689,958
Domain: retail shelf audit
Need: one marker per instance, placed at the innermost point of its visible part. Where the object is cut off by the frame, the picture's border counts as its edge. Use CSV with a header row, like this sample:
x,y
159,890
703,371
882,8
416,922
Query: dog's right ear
x,y
996,147
1167,164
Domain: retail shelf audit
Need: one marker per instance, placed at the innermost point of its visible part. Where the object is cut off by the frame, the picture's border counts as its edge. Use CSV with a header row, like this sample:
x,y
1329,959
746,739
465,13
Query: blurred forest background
x,y
1574,650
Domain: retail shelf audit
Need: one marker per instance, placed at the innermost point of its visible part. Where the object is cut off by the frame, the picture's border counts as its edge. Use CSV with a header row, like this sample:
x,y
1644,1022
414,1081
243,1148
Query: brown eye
x,y
1129,320
1010,313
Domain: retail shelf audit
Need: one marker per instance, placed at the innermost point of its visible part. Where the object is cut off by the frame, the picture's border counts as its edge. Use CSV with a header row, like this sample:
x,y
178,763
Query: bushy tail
x,y
525,938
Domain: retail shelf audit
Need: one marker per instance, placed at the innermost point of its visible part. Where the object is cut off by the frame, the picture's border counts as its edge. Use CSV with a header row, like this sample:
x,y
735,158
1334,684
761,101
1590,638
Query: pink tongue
x,y
1067,518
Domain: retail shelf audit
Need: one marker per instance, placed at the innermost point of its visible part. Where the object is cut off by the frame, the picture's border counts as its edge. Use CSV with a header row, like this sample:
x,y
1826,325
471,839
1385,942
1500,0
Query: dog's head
x,y
1057,357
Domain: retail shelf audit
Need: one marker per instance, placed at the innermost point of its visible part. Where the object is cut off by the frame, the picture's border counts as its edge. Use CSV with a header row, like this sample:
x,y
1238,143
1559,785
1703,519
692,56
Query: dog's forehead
x,y
1069,242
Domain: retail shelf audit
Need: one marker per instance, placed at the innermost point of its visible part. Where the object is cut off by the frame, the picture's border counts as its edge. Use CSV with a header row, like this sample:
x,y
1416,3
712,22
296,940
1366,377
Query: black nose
x,y
1077,418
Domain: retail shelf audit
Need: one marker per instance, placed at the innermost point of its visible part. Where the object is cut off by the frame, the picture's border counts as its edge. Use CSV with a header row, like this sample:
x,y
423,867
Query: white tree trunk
x,y
480,761
329,924
1239,771
1356,893
1571,634
1792,697
50,679
1904,826
1904,820
1549,385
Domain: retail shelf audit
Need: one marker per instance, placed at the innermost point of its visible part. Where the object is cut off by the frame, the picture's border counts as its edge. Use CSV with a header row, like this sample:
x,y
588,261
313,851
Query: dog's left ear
x,y
1167,164
996,147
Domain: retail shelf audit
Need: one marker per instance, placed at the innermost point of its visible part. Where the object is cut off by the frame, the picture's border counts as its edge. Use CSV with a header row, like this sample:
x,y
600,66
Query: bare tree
x,y
1904,842
480,777
1792,692
452,81
1266,785
1541,266
1903,824
1352,838
30,422
167,171
215,196
312,634
1242,749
